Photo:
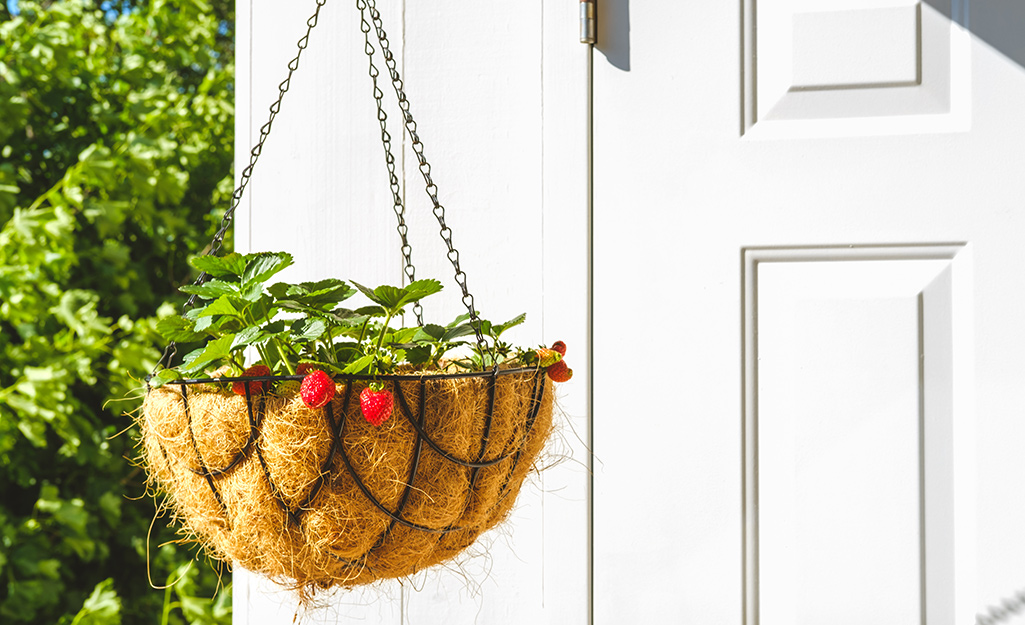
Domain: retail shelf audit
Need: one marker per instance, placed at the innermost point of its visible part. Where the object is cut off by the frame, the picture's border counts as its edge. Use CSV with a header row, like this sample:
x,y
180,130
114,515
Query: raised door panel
x,y
858,436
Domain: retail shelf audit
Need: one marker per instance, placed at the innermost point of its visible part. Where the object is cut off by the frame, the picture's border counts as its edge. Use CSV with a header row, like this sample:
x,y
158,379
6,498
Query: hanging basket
x,y
320,497
324,498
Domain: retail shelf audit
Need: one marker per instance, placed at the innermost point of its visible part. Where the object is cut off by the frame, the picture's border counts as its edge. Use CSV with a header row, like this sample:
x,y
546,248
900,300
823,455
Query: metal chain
x,y
425,167
396,188
1008,608
254,154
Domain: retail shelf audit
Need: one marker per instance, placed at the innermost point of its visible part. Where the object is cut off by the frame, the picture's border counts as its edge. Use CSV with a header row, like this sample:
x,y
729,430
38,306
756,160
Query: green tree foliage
x,y
115,156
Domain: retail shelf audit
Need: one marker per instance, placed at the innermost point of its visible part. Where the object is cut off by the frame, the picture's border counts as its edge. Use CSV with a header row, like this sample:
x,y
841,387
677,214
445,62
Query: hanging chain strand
x,y
425,167
1007,609
396,188
236,197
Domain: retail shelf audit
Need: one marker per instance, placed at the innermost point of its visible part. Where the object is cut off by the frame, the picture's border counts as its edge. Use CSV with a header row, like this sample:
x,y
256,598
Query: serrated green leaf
x,y
497,330
360,365
458,320
394,298
308,329
247,336
164,376
102,607
179,329
264,265
420,289
224,305
456,332
233,264
214,351
371,311
429,332
418,355
211,289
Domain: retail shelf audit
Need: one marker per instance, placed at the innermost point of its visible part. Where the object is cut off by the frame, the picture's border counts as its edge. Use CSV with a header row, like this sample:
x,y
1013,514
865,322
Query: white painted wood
x,y
499,97
681,189
857,48
862,70
850,373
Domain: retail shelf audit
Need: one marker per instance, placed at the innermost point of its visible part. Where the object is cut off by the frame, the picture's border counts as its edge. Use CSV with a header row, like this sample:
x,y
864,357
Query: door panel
x,y
852,68
855,359
829,162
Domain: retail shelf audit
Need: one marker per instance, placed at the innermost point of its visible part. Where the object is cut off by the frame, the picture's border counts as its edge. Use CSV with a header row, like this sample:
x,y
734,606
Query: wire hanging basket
x,y
320,497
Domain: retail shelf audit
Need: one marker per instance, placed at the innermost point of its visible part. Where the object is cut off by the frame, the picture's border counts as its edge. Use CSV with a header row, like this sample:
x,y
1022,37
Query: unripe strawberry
x,y
376,405
547,357
255,388
287,388
559,372
317,389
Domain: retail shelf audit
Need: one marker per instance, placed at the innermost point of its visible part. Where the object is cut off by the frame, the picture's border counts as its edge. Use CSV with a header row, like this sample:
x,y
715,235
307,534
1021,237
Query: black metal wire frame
x,y
256,410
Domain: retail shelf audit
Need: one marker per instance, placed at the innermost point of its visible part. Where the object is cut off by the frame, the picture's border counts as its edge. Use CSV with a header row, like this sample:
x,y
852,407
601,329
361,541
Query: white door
x,y
807,312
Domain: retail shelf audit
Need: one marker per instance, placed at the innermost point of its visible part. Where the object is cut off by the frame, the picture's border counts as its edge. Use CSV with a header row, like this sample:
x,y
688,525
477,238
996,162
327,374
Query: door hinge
x,y
589,21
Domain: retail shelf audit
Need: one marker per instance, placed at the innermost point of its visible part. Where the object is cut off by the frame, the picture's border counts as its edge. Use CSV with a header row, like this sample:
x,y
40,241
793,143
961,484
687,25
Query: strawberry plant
x,y
306,328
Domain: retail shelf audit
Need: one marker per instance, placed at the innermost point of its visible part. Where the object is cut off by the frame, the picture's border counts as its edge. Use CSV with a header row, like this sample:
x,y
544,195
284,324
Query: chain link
x,y
369,6
254,155
1007,609
396,188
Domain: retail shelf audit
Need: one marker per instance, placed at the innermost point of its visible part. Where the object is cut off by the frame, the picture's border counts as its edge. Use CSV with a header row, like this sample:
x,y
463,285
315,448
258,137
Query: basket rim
x,y
353,376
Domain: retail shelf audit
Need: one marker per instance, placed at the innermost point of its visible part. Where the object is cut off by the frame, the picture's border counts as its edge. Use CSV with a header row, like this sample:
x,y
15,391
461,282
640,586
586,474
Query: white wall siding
x,y
504,129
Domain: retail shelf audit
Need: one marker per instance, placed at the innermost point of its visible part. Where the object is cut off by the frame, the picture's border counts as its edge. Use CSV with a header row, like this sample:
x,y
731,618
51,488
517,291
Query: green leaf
x,y
428,333
421,289
394,298
214,351
359,365
308,329
224,305
402,336
179,329
164,376
496,331
324,293
418,355
264,265
102,607
233,264
211,289
456,332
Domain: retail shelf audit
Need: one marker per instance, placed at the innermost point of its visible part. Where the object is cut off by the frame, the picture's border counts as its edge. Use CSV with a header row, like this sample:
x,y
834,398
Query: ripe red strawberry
x,y
317,389
305,368
547,357
255,388
560,347
559,372
376,405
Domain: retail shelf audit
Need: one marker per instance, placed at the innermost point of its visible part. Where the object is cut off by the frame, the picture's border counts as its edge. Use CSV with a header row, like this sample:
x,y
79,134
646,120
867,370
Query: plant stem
x,y
284,357
384,330
262,350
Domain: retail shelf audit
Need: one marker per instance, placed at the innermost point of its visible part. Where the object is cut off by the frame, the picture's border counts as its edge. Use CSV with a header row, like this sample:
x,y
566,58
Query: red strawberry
x,y
559,372
317,389
560,347
305,368
255,388
547,357
376,405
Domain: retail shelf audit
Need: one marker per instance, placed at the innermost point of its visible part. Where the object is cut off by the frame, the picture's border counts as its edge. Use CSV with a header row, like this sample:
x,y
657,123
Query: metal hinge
x,y
589,21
